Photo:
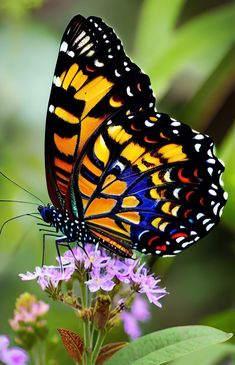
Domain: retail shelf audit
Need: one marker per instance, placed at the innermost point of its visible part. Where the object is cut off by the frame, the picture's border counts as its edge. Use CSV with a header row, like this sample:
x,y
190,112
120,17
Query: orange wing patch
x,y
100,206
66,145
116,188
132,217
130,202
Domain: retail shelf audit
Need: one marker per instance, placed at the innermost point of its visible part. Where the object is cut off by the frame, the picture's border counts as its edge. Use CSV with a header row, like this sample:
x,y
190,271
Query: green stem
x,y
84,302
99,342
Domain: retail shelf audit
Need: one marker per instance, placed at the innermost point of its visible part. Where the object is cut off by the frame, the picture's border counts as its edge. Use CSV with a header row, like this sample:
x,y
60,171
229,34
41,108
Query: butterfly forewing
x,y
93,79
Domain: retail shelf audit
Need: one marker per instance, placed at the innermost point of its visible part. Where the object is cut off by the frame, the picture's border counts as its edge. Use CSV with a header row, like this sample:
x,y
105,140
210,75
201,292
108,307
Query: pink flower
x,y
49,275
139,312
100,281
11,356
148,285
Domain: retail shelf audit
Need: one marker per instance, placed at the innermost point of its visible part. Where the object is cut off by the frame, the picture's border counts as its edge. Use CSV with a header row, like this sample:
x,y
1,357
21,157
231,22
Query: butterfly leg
x,y
63,241
44,243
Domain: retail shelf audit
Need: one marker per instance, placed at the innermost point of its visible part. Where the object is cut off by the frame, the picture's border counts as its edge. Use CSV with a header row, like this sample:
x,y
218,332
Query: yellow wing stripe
x,y
132,151
66,116
118,134
173,152
93,92
79,80
101,150
70,75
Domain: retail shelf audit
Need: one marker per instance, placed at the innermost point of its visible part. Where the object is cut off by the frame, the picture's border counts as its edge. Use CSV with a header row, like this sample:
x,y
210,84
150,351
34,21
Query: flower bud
x,y
102,311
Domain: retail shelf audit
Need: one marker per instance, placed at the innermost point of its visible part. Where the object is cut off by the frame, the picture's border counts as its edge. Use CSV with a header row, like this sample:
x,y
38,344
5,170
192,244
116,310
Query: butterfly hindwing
x,y
93,80
150,183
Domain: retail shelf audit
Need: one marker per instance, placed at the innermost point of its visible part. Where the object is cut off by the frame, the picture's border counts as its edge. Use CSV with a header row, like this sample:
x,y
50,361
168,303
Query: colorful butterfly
x,y
118,172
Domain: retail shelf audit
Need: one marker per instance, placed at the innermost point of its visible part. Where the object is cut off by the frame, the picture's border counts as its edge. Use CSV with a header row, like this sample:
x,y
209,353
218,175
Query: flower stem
x,y
99,342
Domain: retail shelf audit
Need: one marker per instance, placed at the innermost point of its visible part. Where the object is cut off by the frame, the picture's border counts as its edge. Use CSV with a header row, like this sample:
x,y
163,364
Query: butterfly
x,y
119,173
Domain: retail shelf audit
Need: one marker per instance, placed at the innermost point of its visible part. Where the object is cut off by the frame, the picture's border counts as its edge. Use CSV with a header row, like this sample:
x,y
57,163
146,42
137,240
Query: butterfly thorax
x,y
73,229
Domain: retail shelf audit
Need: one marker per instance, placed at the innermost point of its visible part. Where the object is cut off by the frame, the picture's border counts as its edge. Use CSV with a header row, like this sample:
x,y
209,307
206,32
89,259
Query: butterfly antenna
x,y
21,187
16,201
19,216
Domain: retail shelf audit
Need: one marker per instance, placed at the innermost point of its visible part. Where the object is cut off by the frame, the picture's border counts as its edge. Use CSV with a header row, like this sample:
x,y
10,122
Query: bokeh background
x,y
187,48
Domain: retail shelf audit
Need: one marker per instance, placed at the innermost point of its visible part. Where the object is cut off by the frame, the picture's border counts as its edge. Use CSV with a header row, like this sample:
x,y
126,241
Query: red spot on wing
x,y
180,234
153,239
161,248
187,196
183,178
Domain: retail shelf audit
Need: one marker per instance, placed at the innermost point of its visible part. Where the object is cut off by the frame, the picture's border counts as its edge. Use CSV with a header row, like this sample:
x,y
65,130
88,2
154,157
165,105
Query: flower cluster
x,y
103,273
13,355
28,321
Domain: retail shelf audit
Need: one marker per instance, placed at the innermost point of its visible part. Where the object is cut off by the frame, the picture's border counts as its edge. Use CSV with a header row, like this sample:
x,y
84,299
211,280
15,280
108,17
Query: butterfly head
x,y
46,213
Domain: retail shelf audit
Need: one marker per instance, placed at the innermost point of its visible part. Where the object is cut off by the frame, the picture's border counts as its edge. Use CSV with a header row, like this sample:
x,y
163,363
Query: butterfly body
x,y
74,230
119,173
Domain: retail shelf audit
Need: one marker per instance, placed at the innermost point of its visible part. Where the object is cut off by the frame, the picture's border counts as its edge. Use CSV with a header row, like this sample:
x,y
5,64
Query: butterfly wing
x,y
93,80
150,183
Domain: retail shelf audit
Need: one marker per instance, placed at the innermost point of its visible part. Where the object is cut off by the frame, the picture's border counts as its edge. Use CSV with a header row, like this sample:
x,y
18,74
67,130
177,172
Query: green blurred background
x,y
187,48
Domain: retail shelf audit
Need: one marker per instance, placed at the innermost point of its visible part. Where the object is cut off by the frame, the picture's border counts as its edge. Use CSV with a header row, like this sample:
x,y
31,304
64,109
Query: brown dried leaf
x,y
73,344
109,350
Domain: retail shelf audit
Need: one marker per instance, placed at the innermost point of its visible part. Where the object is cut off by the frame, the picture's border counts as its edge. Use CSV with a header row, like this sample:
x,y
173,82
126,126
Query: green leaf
x,y
157,20
168,344
224,320
212,93
210,31
227,155
209,356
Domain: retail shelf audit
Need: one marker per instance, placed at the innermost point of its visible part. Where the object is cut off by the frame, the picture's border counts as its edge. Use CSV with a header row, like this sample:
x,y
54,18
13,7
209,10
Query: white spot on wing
x,y
199,136
71,53
57,81
216,208
148,123
98,63
64,47
128,90
197,146
209,226
117,74
51,108
175,123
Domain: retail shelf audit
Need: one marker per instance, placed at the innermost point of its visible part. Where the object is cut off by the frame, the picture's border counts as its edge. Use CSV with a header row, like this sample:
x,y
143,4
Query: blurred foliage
x,y
187,48
18,8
